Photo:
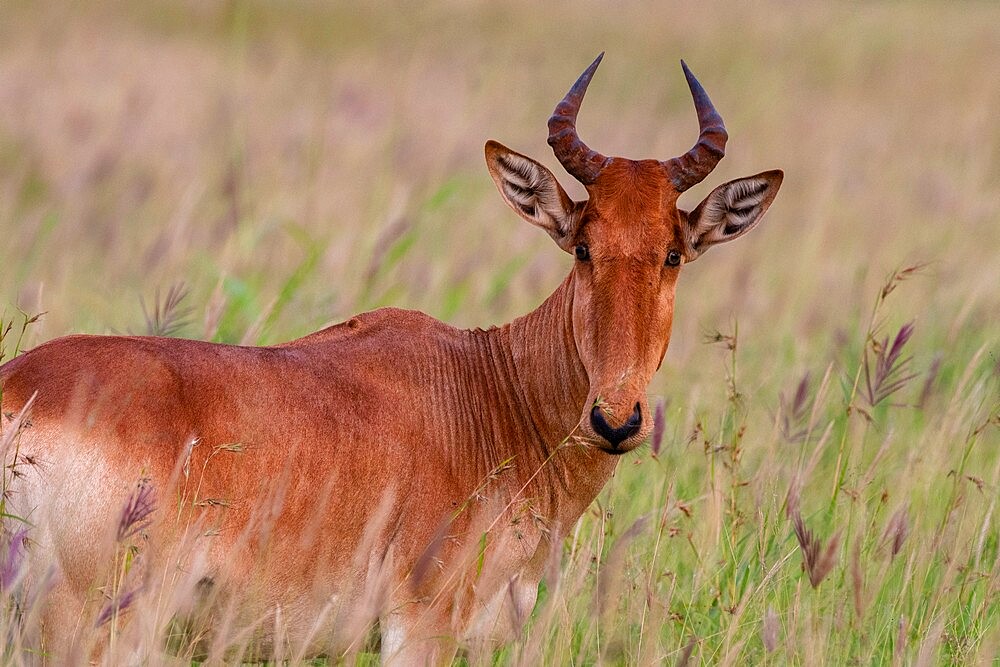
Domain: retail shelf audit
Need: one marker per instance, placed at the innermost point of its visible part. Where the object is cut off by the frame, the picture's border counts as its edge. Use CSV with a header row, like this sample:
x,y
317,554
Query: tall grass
x,y
822,486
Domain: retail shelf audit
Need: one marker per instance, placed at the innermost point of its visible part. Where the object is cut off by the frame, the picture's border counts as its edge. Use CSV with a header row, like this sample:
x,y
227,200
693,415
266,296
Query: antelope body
x,y
390,467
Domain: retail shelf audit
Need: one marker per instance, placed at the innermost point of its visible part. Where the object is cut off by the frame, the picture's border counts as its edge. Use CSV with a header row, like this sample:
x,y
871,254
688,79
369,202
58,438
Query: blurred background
x,y
250,171
293,163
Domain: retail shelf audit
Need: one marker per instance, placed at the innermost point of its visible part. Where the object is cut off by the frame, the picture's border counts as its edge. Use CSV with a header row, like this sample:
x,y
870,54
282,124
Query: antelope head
x,y
630,241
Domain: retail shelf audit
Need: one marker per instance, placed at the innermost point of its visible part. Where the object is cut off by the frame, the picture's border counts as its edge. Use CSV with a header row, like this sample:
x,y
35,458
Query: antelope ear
x,y
534,193
730,211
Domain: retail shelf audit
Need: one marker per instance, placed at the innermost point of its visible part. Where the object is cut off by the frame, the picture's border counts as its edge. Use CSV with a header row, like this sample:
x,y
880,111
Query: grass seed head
x,y
896,531
117,605
10,568
817,559
656,441
167,316
886,371
135,515
794,415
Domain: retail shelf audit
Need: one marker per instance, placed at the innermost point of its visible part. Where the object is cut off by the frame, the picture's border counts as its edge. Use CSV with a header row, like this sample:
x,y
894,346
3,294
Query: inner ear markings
x,y
731,210
532,192
518,192
522,197
522,184
745,195
748,188
519,172
741,203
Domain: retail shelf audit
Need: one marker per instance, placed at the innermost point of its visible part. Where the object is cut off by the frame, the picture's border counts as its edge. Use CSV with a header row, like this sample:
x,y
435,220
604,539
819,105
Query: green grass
x,y
293,165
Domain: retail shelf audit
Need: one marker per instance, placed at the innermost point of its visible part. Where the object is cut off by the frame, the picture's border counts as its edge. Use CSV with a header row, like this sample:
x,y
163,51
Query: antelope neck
x,y
538,386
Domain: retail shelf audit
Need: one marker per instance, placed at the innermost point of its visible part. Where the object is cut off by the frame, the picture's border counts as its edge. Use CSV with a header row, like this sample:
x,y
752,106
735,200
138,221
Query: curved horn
x,y
692,167
581,162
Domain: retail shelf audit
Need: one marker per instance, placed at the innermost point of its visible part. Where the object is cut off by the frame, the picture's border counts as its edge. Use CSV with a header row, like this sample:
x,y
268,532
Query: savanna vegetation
x,y
823,482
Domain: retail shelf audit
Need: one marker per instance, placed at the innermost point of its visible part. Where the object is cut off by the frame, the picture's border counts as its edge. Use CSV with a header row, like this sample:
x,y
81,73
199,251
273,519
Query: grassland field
x,y
280,166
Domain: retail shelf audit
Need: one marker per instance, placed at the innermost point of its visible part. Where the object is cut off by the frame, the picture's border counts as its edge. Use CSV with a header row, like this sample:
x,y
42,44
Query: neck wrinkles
x,y
549,373
536,362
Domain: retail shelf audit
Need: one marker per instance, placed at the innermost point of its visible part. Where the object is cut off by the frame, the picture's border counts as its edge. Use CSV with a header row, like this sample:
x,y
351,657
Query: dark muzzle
x,y
615,436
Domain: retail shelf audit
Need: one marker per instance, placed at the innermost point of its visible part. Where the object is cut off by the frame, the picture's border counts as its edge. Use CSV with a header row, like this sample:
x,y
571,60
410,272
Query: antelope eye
x,y
673,258
582,252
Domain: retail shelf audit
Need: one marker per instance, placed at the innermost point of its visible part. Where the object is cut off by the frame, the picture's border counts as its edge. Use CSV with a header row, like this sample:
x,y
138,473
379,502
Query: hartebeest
x,y
391,464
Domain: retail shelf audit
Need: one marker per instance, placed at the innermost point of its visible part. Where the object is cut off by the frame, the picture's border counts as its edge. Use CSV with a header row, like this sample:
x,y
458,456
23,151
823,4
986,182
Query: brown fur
x,y
376,454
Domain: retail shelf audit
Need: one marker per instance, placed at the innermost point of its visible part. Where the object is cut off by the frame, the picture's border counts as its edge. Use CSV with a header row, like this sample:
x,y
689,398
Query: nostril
x,y
635,421
597,420
615,435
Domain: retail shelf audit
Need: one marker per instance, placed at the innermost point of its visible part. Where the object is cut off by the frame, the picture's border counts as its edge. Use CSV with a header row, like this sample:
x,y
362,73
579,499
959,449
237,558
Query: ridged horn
x,y
582,163
692,167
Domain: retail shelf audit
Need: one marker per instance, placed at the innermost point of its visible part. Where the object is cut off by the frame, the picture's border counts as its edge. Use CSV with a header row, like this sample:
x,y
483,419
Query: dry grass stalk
x,y
857,580
685,657
15,424
927,655
609,579
395,229
793,497
769,630
5,333
429,560
214,309
899,646
929,381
